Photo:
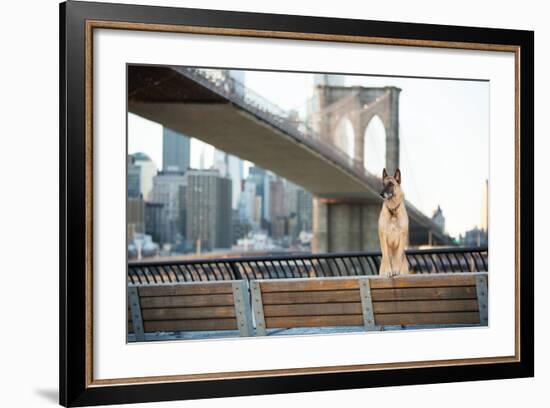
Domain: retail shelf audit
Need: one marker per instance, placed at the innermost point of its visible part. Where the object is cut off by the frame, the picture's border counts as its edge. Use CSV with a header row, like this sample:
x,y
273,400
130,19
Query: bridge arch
x,y
344,136
374,142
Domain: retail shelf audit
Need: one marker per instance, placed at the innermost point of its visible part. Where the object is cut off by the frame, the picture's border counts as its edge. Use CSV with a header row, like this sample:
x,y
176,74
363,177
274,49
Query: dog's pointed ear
x,y
397,176
384,174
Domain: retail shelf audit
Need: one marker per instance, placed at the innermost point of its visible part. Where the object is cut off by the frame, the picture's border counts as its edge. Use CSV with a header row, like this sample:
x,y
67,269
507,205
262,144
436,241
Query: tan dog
x,y
393,227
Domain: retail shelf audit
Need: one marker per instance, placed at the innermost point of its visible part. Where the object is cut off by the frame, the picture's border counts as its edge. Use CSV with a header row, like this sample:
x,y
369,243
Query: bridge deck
x,y
182,100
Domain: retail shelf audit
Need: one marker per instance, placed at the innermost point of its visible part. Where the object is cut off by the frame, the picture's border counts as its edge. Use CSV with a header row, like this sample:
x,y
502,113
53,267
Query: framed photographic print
x,y
255,203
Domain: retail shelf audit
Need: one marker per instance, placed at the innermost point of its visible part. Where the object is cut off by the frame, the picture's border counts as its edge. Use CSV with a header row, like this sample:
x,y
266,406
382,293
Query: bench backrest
x,y
310,302
203,306
438,299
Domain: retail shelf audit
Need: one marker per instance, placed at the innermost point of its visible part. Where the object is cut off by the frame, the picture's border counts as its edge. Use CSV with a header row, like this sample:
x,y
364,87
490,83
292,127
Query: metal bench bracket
x,y
135,310
242,308
258,308
366,304
482,299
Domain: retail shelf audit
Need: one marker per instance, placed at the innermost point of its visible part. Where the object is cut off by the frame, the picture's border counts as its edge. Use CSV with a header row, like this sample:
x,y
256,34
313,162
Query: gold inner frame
x,y
97,24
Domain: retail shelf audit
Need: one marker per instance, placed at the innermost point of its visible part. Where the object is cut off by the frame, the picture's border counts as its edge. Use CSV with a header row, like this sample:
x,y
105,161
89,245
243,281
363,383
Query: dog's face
x,y
392,185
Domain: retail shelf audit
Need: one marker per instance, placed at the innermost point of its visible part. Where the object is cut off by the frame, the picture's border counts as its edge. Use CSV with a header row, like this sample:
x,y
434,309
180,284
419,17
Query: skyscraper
x,y
278,211
260,178
176,149
155,224
304,209
232,167
182,217
135,217
208,209
300,209
134,178
166,190
235,168
147,170
250,204
239,227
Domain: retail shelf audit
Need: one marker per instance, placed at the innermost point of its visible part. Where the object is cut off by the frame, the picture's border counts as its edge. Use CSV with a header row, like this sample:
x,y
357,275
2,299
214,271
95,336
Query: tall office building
x,y
277,199
250,205
176,151
300,209
232,167
135,217
304,210
182,217
155,223
278,211
166,190
236,173
260,178
133,179
220,162
239,227
147,170
208,209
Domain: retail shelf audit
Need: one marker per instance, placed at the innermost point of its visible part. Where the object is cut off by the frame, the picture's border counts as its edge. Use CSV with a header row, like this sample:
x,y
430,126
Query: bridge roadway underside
x,y
230,129
179,103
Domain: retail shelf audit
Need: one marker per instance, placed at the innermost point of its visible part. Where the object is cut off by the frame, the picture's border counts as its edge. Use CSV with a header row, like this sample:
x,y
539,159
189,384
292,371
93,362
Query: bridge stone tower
x,y
359,105
344,224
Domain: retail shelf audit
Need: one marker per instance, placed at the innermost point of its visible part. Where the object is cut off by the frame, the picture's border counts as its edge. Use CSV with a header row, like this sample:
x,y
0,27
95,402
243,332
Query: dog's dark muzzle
x,y
387,192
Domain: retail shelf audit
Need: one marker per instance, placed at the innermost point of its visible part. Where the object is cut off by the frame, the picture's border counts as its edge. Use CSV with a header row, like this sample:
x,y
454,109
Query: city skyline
x,y
211,208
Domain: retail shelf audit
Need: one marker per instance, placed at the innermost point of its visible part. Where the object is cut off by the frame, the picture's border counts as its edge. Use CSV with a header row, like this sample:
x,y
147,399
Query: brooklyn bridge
x,y
222,112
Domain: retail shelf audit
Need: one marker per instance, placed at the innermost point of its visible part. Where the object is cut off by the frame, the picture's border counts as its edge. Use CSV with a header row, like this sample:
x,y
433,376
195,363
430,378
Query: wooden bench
x,y
205,306
372,302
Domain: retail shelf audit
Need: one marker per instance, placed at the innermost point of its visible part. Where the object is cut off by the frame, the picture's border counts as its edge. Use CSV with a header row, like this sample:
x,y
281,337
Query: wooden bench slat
x,y
427,318
335,296
423,281
314,321
187,301
316,309
456,292
426,306
199,325
188,313
300,285
186,289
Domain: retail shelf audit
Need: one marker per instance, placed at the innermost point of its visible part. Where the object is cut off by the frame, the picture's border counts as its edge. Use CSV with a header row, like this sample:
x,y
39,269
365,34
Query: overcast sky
x,y
444,137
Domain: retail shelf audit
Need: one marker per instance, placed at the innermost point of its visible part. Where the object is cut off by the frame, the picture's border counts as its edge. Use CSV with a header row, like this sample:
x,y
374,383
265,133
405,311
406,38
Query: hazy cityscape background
x,y
187,198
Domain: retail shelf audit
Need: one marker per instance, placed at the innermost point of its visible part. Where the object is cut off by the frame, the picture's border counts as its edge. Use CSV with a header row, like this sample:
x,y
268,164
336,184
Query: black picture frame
x,y
75,386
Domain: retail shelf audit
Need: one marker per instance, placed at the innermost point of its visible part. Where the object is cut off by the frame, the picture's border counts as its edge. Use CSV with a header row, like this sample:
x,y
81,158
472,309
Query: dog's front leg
x,y
401,263
385,264
387,267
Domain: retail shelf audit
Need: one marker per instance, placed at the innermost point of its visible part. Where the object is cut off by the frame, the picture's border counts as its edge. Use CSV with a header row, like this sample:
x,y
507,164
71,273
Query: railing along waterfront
x,y
434,260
